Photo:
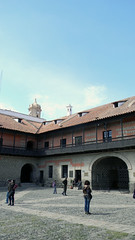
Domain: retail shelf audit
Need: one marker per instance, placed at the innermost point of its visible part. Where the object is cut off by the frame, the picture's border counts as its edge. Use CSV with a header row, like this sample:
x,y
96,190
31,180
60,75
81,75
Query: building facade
x,y
96,144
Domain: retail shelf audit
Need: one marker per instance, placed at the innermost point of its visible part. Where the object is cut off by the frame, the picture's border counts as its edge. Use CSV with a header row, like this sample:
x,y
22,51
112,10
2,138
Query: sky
x,y
61,52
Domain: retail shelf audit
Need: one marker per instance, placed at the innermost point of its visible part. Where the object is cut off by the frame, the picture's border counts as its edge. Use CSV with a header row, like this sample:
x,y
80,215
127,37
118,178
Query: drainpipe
x,y
121,123
96,131
52,141
83,133
72,137
14,141
26,142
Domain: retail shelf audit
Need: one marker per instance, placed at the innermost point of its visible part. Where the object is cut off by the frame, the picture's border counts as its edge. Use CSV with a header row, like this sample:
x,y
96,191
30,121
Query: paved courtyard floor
x,y
39,214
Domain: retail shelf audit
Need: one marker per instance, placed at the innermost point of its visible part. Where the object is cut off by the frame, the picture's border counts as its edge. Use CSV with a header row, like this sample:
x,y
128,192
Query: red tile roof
x,y
94,114
9,122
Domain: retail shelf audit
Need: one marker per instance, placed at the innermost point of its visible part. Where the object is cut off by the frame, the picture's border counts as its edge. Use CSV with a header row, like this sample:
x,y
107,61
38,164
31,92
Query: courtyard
x,y
40,214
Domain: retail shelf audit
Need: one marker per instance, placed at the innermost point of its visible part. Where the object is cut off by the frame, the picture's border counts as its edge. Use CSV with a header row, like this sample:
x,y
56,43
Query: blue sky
x,y
78,52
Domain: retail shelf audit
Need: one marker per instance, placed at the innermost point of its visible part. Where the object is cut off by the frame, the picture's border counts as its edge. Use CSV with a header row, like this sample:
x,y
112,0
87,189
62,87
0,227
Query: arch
x,y
110,173
117,155
28,173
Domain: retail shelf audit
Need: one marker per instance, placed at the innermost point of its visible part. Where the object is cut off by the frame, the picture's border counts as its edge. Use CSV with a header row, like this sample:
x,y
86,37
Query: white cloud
x,y
53,87
6,106
94,95
80,100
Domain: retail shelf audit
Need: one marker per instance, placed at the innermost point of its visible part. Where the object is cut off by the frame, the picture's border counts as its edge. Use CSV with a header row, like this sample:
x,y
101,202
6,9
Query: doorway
x,y
110,173
27,173
77,175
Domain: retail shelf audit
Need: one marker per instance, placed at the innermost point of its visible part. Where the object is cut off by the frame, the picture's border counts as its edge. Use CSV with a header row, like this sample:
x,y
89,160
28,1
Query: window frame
x,y
63,142
107,136
64,171
46,145
78,140
50,171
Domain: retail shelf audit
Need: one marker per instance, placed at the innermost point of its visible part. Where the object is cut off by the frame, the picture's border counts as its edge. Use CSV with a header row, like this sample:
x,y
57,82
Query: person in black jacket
x,y
11,188
87,196
134,194
65,187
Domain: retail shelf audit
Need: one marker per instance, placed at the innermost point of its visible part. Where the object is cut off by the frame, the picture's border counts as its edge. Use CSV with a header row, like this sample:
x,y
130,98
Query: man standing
x,y
11,188
65,187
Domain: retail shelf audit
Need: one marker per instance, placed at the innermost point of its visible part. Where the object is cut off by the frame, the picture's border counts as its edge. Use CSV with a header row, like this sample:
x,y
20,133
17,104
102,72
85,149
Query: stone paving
x,y
40,214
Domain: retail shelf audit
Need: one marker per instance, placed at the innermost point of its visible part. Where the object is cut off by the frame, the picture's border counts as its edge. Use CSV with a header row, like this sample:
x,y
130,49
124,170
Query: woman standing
x,y
87,196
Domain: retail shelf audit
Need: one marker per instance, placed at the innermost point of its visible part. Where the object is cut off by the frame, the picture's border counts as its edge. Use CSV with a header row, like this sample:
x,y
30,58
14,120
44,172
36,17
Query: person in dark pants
x,y
65,187
87,196
54,187
134,194
11,189
7,194
79,184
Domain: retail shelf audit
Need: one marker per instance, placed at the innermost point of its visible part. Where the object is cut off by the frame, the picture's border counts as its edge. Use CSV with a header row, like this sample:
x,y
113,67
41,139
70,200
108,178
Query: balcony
x,y
99,146
17,151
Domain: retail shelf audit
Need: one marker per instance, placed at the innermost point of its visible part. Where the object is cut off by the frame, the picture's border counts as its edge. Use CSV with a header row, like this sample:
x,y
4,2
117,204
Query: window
x,y
71,174
118,104
18,120
41,178
107,136
57,121
81,114
46,145
50,175
30,145
1,142
78,140
63,142
64,172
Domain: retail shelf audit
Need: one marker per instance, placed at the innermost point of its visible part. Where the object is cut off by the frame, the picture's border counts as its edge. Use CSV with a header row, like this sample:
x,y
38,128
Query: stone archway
x,y
110,173
28,173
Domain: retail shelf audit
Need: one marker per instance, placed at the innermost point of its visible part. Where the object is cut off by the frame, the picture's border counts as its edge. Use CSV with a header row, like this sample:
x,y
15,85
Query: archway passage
x,y
110,173
27,173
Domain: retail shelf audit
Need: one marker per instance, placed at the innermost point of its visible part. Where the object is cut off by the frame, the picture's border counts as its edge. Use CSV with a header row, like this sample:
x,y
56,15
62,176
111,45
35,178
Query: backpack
x,y
15,186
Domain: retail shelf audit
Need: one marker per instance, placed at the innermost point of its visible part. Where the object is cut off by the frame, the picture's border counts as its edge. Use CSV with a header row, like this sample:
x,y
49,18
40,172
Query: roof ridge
x,y
69,118
31,124
39,127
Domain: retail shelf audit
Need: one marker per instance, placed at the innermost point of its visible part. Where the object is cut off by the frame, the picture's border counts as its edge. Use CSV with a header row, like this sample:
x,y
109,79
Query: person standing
x,y
7,194
134,194
11,188
65,187
79,184
87,196
54,187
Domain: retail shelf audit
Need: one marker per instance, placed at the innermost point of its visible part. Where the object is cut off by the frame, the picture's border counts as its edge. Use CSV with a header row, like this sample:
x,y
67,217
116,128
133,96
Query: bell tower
x,y
35,109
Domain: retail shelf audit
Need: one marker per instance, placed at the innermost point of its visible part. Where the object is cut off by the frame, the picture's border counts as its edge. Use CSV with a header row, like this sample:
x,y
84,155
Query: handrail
x,y
36,151
91,142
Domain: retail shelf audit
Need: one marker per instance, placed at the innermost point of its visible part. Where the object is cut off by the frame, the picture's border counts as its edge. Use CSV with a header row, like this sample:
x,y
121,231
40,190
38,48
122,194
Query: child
x,y
54,186
7,194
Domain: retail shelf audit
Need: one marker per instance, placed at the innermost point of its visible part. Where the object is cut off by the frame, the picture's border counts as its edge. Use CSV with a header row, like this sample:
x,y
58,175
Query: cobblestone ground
x,y
40,214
